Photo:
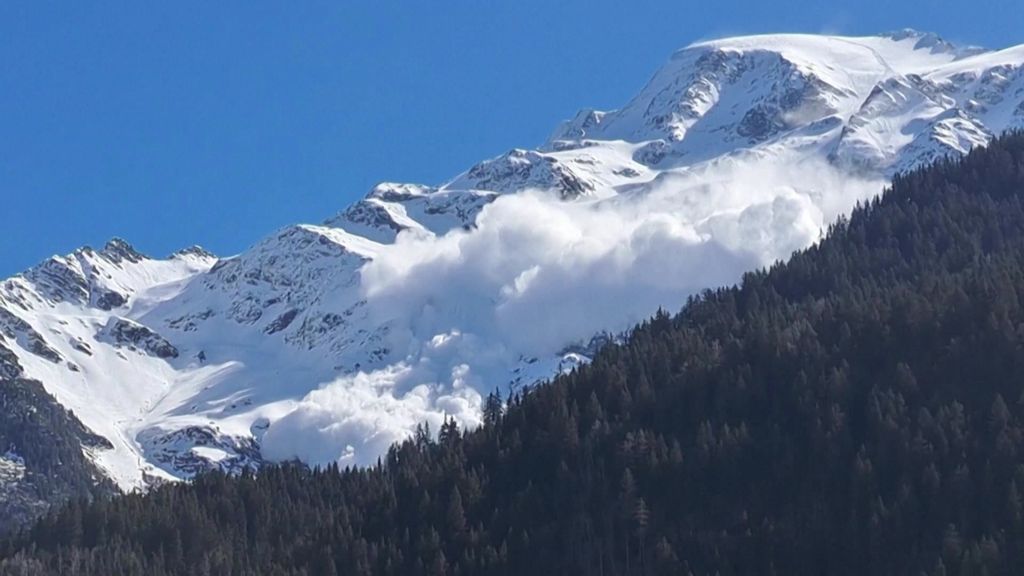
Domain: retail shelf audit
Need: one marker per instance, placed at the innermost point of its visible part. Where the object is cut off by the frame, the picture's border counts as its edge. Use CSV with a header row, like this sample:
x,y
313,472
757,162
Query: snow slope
x,y
329,342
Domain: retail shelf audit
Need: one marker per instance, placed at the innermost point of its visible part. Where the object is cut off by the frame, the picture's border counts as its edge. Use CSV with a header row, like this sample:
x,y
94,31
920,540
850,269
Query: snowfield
x,y
327,343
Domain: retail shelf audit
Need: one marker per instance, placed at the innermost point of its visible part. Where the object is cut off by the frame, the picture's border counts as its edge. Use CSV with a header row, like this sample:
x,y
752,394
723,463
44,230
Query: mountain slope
x,y
328,343
46,449
855,410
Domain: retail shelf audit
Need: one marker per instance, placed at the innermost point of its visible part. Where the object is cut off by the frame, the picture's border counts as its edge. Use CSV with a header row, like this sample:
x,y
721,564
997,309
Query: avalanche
x,y
328,342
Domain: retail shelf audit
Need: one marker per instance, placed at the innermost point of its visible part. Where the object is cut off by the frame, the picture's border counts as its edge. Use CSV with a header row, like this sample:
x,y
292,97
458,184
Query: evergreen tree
x,y
855,410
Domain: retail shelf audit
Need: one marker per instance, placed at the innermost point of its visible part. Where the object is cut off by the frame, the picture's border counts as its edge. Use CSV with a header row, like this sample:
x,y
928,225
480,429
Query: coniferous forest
x,y
856,410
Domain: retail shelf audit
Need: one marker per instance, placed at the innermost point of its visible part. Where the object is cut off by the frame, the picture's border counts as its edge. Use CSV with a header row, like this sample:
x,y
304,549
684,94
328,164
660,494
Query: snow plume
x,y
354,419
537,275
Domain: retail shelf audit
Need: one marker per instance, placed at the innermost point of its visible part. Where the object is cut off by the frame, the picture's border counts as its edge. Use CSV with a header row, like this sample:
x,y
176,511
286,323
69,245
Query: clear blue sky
x,y
217,122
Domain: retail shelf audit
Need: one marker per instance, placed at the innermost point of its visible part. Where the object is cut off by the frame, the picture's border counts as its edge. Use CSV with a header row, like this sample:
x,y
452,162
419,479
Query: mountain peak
x,y
397,191
117,250
914,34
196,251
932,42
396,311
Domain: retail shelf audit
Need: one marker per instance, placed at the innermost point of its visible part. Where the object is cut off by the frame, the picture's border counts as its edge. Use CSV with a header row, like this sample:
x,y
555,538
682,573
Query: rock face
x,y
178,365
392,208
9,366
68,323
195,449
524,169
123,333
885,103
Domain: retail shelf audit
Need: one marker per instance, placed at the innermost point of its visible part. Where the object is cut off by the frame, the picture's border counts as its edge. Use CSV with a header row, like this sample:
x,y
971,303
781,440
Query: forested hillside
x,y
857,410
41,450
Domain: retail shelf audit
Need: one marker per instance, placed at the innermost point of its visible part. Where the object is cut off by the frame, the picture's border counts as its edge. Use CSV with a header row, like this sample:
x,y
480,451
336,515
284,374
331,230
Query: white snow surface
x,y
328,343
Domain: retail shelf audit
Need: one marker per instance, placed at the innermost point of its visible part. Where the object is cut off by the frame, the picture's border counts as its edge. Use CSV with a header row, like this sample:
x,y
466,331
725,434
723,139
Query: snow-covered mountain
x,y
329,342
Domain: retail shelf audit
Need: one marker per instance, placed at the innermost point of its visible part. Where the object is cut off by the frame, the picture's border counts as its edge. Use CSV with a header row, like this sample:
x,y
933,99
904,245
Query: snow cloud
x,y
537,275
354,419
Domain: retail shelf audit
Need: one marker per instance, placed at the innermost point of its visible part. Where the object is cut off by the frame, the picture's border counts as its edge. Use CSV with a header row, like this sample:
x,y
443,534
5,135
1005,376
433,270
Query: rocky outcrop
x,y
124,333
192,450
187,336
520,170
16,329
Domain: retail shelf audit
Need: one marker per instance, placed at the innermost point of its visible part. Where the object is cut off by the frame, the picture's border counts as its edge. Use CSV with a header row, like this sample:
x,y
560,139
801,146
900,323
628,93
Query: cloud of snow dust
x,y
538,274
356,418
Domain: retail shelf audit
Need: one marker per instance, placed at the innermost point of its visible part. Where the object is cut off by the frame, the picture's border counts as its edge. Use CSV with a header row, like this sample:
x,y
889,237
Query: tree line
x,y
858,409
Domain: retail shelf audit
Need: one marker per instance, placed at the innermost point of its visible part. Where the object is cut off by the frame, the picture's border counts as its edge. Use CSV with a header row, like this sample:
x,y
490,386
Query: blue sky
x,y
214,123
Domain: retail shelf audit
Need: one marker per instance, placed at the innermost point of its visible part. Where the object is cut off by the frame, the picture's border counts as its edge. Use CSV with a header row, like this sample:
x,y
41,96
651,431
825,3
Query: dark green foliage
x,y
858,410
45,441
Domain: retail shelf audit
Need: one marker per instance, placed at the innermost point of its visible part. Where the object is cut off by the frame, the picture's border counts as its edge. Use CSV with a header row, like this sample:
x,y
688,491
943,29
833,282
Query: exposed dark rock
x,y
249,310
652,153
39,347
189,322
117,251
371,214
521,169
174,451
314,327
81,346
108,300
281,322
10,368
17,329
394,192
59,280
11,325
759,123
195,250
125,333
